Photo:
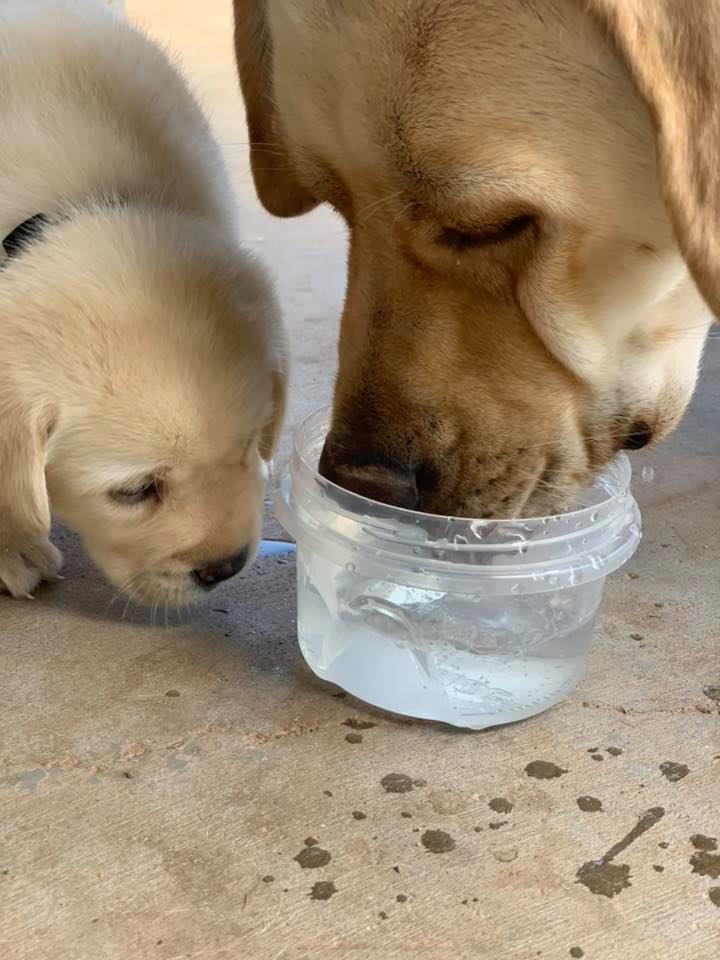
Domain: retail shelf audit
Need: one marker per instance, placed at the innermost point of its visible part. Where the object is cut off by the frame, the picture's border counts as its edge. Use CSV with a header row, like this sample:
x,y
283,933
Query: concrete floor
x,y
159,786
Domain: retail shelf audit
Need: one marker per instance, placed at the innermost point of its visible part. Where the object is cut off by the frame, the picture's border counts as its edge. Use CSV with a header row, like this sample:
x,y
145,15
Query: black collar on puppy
x,y
24,234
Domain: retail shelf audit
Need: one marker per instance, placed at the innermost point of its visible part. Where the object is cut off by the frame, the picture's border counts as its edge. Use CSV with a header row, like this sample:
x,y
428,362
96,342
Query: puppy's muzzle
x,y
214,573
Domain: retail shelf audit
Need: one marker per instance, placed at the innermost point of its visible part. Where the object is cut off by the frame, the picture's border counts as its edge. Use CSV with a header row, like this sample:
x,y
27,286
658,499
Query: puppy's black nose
x,y
214,573
377,478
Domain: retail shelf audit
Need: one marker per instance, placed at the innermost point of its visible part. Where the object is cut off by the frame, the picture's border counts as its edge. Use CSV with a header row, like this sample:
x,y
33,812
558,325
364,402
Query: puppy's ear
x,y
271,431
24,504
279,189
672,48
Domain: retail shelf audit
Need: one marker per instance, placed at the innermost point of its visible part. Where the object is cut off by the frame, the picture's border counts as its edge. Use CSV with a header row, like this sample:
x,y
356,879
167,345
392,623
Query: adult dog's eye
x,y
146,490
494,233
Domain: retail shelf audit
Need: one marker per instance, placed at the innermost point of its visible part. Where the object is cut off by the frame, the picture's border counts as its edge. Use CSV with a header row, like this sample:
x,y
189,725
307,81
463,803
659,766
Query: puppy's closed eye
x,y
146,490
458,239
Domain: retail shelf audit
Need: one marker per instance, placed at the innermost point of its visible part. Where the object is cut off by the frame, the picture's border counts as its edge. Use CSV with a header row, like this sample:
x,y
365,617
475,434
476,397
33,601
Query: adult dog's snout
x,y
371,474
217,572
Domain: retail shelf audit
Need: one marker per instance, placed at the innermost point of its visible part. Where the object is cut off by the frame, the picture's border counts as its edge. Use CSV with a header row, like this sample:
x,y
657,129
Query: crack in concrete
x,y
694,708
136,750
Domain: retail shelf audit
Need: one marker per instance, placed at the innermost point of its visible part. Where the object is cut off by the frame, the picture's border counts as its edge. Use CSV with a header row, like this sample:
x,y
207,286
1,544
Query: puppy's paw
x,y
24,565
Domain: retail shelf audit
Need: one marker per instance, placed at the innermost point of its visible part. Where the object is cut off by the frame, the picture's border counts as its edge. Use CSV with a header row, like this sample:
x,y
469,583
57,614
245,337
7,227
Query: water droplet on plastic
x,y
647,474
515,588
522,548
350,567
594,517
417,551
479,529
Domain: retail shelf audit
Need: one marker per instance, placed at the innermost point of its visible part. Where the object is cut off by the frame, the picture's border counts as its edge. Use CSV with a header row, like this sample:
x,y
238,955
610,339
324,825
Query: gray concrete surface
x,y
190,791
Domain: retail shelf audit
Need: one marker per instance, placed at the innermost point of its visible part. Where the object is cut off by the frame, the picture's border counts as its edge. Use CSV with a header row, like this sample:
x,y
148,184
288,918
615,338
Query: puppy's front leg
x,y
26,554
25,561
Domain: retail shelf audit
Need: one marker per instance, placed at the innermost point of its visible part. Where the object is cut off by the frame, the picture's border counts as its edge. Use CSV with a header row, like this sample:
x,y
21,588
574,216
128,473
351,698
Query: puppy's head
x,y
525,185
158,362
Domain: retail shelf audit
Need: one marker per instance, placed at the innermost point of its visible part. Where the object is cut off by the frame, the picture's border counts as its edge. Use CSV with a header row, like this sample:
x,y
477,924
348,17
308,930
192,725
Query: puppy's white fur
x,y
139,347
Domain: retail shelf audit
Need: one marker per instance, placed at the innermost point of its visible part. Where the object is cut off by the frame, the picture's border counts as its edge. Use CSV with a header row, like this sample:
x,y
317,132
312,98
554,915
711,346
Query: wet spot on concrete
x,y
383,915
437,841
401,898
544,770
577,952
359,815
327,793
706,864
607,879
356,724
172,693
714,894
478,829
310,858
674,771
406,814
396,868
597,756
268,878
712,690
505,855
310,842
29,779
614,751
419,782
396,783
604,879
323,890
701,842
500,805
354,737
658,868
663,844
589,804
497,824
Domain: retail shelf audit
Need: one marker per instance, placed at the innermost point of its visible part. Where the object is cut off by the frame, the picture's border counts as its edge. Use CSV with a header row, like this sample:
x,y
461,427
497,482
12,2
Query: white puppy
x,y
142,373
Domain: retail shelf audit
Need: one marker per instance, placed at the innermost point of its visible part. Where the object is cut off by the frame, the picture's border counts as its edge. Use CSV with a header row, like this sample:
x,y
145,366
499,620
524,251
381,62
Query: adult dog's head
x,y
526,183
142,390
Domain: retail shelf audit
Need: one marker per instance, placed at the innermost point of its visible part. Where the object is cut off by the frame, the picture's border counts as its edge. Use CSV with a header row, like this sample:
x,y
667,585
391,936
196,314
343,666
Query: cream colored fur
x,y
138,343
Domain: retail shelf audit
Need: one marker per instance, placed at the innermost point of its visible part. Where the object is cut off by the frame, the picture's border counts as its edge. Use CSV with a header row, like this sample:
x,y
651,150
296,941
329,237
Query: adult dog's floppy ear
x,y
26,556
672,48
279,189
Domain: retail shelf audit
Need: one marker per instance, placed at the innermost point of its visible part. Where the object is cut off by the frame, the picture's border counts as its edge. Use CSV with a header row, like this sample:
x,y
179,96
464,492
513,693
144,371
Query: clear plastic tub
x,y
471,622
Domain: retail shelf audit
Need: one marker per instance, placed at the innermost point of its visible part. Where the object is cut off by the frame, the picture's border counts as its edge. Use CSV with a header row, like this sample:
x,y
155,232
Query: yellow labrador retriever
x,y
141,355
532,191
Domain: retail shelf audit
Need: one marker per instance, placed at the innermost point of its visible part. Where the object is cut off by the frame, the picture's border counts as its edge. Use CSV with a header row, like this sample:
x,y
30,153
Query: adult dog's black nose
x,y
214,573
376,477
